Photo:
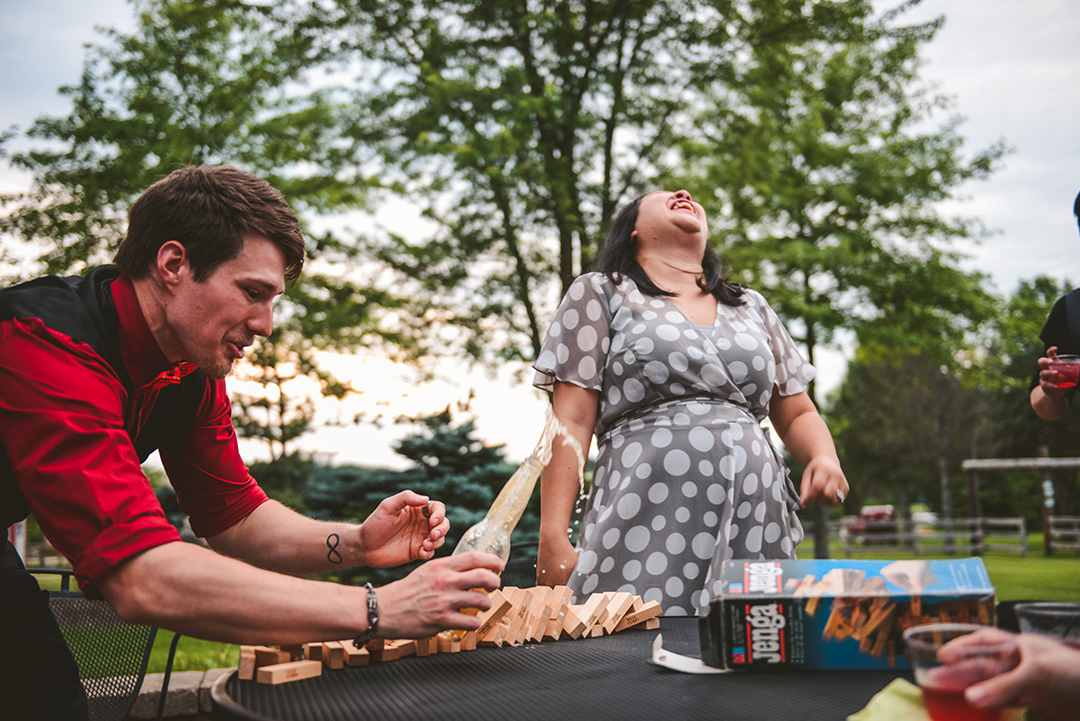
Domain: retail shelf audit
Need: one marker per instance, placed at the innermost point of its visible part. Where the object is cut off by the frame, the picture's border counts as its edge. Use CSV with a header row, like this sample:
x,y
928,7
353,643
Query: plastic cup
x,y
1067,368
943,682
1059,620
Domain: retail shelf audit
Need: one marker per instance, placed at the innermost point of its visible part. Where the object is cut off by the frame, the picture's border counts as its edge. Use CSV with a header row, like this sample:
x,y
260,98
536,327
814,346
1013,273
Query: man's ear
x,y
172,263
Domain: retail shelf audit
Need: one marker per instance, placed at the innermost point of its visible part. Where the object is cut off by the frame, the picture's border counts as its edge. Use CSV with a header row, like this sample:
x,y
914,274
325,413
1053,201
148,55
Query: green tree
x,y
518,127
902,424
220,82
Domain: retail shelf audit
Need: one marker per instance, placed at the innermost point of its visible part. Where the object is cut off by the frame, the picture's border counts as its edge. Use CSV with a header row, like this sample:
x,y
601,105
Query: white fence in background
x,y
960,536
1065,531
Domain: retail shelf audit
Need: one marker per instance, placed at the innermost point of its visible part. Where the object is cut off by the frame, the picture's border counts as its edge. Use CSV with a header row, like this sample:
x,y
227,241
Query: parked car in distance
x,y
871,521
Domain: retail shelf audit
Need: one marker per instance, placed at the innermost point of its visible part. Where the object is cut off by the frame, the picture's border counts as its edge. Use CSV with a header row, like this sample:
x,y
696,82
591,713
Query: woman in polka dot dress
x,y
673,369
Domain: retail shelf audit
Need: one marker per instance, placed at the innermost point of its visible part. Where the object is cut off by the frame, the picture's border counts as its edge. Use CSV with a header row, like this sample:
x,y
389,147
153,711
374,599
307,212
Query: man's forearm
x,y
277,538
198,592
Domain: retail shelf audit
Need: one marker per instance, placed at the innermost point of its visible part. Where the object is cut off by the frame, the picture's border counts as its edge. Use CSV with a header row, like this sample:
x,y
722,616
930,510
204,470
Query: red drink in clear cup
x,y
1067,368
948,658
949,704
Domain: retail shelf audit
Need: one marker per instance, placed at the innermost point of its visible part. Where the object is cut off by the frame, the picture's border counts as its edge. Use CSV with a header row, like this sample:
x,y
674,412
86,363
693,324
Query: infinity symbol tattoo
x,y
332,544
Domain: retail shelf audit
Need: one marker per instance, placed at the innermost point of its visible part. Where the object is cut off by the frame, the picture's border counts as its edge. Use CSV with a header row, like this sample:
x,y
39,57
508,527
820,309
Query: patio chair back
x,y
111,655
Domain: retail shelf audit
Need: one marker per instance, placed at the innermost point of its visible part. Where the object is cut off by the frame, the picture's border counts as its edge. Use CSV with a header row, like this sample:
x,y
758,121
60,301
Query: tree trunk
x,y
946,502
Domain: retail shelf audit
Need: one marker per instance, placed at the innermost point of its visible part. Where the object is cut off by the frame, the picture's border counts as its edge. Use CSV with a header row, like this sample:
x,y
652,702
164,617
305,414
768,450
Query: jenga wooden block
x,y
333,654
572,624
296,650
267,656
469,641
404,647
522,602
448,644
393,650
539,613
313,651
354,656
290,671
497,635
375,644
649,625
617,608
535,604
591,610
649,610
427,646
560,598
597,631
245,670
500,606
546,614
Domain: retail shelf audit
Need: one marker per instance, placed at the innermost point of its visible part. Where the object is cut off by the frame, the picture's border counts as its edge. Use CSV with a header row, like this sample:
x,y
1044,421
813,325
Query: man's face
x,y
212,322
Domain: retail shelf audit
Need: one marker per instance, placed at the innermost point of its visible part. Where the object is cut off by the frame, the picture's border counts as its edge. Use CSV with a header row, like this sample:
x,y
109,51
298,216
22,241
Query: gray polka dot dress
x,y
686,476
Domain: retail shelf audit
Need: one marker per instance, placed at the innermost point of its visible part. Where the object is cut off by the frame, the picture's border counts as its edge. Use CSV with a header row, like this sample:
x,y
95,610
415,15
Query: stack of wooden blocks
x,y
516,616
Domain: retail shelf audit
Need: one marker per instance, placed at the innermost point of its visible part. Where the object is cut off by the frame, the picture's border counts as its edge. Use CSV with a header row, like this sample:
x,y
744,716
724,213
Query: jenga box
x,y
818,614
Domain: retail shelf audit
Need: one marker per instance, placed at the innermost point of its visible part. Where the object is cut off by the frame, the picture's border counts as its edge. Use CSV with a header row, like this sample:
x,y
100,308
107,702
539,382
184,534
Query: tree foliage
x,y
902,424
821,151
214,82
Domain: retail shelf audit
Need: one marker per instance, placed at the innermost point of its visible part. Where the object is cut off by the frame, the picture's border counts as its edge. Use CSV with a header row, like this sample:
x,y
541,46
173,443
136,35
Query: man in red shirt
x,y
97,372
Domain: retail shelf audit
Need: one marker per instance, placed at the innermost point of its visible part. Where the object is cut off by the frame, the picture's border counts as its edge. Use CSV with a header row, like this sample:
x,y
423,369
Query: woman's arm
x,y
807,438
560,484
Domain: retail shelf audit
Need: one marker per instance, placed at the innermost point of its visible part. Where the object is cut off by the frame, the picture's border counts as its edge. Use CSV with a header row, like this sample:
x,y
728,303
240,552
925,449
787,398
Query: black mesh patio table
x,y
591,679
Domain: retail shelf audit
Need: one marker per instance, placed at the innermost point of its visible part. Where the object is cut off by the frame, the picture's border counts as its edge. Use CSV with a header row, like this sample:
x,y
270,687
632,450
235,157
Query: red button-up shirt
x,y
65,419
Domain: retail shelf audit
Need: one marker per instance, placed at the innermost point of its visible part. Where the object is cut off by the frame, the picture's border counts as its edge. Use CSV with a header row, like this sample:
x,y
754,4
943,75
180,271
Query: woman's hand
x,y
823,481
405,527
555,561
807,438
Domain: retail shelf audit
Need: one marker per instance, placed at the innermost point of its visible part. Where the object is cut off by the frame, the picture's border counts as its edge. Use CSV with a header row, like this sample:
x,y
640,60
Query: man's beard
x,y
215,367
219,370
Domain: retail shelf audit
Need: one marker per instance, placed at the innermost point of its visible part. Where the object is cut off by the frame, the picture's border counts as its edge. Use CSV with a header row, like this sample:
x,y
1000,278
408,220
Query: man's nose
x,y
262,323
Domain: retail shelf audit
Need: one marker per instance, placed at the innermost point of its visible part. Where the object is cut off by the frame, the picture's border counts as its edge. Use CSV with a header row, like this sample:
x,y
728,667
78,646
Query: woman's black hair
x,y
618,259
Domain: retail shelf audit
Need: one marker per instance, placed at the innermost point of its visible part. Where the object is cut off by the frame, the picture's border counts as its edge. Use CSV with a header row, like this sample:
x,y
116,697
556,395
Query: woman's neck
x,y
674,273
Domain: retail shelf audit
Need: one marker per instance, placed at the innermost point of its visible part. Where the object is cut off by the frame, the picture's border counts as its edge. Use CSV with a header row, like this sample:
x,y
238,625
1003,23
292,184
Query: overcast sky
x,y
1012,67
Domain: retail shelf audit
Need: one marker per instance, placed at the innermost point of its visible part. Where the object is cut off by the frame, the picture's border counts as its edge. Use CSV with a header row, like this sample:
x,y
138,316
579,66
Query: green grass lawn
x,y
192,654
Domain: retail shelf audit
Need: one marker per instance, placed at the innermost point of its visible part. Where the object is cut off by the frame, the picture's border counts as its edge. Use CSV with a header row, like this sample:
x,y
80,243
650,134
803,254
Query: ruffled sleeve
x,y
793,372
576,347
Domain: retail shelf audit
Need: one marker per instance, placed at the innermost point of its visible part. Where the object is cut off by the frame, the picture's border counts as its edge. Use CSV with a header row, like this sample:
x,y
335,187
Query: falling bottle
x,y
492,533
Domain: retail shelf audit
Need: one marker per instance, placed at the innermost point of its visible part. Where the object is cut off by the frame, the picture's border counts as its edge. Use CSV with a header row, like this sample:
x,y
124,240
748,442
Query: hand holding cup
x,y
948,659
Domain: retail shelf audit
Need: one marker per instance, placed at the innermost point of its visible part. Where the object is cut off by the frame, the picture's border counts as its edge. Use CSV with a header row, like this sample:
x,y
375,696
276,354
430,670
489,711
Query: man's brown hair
x,y
209,209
